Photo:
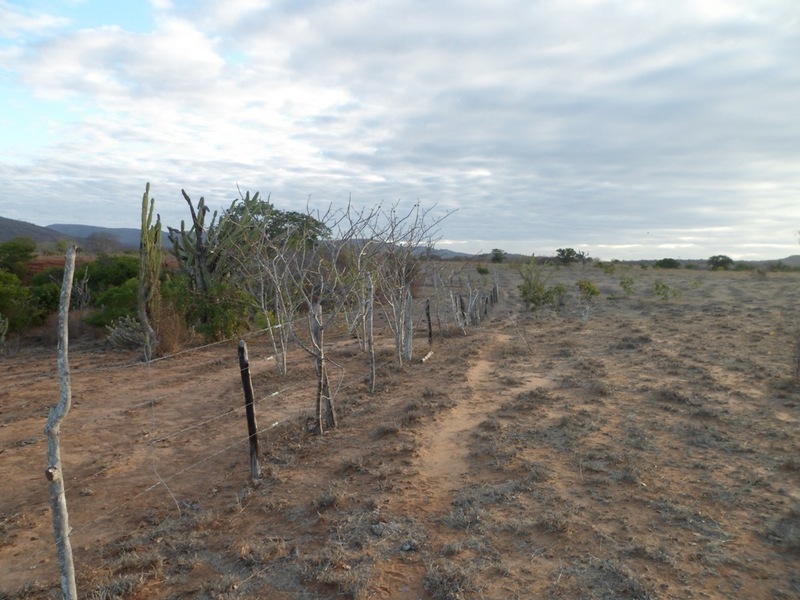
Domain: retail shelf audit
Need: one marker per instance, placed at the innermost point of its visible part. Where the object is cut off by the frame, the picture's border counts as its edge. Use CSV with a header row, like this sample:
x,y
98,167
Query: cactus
x,y
3,328
210,254
149,273
126,334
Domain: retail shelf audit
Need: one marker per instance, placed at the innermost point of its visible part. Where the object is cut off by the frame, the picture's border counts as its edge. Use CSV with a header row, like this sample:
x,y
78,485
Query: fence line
x,y
157,399
31,559
243,439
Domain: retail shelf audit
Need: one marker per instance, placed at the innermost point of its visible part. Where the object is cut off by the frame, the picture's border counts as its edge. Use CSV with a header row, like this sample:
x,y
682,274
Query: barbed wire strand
x,y
153,400
164,481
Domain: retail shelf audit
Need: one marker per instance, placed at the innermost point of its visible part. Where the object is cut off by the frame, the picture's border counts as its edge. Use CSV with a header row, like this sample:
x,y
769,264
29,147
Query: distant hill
x,y
792,261
127,237
11,228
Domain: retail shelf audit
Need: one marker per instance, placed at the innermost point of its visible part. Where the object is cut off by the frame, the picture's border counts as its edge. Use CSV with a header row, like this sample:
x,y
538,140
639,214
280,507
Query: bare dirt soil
x,y
649,451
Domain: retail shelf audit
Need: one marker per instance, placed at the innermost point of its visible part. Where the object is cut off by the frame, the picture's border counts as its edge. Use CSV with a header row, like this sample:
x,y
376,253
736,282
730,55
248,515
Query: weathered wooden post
x,y
370,336
58,500
797,358
430,323
252,428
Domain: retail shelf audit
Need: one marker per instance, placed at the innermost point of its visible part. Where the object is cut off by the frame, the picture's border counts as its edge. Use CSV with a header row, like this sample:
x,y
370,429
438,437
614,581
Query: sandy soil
x,y
651,451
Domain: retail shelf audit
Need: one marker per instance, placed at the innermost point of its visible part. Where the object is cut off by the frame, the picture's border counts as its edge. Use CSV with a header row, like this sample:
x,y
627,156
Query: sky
x,y
623,128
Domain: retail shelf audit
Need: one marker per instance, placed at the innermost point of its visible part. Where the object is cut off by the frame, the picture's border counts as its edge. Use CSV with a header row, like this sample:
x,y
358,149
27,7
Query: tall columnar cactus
x,y
190,247
211,253
150,255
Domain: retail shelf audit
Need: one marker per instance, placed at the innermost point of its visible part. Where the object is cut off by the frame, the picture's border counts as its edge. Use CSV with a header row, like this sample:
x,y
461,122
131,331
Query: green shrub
x,y
626,283
587,290
46,296
114,303
608,268
16,304
51,275
482,269
223,313
111,271
534,289
663,291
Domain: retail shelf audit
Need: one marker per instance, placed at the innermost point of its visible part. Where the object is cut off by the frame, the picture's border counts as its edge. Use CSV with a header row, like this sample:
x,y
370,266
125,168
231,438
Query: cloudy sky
x,y
626,128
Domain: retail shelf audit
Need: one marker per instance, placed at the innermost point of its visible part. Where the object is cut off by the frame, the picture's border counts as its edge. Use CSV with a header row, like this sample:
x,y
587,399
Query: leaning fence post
x,y
252,429
58,499
430,324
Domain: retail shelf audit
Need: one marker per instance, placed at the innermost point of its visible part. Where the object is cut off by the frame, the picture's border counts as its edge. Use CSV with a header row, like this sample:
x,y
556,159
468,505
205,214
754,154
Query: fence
x,y
156,445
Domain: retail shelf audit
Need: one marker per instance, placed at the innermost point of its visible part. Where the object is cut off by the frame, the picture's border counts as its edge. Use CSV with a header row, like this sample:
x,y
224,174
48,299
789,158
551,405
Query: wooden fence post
x,y
430,324
252,428
797,358
58,500
370,336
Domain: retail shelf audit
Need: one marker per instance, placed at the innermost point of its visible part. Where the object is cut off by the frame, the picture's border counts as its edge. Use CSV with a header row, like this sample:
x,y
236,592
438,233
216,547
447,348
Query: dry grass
x,y
650,452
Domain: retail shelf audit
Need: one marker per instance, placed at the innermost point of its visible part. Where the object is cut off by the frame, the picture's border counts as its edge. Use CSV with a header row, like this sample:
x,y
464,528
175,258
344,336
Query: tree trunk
x,y
408,326
326,413
58,500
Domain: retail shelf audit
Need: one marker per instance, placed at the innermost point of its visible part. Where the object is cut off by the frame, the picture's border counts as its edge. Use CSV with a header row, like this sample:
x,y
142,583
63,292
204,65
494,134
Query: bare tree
x,y
405,240
324,276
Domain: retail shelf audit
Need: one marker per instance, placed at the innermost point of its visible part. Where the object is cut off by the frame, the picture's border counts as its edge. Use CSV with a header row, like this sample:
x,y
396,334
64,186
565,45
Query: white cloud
x,y
17,22
621,126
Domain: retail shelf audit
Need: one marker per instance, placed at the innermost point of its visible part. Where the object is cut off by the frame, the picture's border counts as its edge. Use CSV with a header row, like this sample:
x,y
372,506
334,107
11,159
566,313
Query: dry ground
x,y
651,451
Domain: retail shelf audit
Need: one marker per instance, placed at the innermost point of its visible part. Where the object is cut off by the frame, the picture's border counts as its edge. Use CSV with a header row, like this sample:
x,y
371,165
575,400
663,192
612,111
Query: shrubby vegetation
x,y
535,291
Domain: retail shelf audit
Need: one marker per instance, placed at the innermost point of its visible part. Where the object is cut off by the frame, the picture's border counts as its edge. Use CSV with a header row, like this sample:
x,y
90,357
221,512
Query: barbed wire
x,y
241,440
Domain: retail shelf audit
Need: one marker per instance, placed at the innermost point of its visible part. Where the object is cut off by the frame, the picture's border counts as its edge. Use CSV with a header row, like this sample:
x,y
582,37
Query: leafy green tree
x,y
567,256
720,262
16,254
498,255
667,263
265,221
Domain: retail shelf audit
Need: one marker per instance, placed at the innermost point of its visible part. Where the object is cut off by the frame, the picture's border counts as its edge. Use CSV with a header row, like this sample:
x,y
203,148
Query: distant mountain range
x,y
128,238
123,237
